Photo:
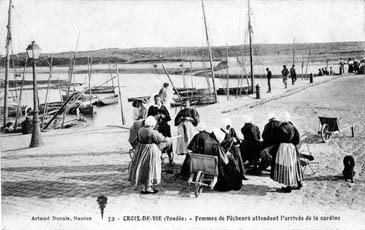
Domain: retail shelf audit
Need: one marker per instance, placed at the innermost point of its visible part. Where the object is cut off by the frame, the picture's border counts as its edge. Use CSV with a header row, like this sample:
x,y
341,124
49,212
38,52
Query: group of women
x,y
153,136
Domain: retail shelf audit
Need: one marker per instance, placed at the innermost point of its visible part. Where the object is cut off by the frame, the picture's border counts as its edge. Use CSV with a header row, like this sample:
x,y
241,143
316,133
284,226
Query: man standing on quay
x,y
293,75
269,75
285,73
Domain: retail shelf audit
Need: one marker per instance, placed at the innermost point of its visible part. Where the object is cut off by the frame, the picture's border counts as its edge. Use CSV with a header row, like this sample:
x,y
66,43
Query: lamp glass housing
x,y
33,51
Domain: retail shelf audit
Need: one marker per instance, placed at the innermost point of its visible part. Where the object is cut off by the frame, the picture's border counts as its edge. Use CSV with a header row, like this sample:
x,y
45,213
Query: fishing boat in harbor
x,y
240,89
202,96
87,109
101,89
107,100
244,90
144,99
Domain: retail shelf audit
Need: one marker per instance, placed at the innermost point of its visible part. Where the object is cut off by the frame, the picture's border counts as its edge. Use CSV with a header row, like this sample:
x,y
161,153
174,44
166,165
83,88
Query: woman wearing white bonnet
x,y
251,145
271,116
285,117
287,169
201,126
146,163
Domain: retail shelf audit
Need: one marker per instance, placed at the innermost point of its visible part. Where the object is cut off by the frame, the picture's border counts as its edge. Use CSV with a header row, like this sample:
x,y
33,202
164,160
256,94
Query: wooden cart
x,y
204,172
329,126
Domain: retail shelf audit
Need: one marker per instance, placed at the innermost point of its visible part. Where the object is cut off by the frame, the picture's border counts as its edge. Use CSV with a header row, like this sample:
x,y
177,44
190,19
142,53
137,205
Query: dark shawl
x,y
187,114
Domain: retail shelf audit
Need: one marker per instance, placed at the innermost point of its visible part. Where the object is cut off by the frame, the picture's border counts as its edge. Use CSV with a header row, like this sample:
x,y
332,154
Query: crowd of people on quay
x,y
150,136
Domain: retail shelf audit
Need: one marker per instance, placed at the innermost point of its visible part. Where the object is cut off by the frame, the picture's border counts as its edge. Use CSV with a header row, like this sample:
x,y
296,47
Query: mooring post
x,y
257,91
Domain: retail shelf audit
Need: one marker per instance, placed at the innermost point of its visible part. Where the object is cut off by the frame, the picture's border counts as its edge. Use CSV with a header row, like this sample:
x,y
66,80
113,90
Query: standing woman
x,y
162,116
287,169
146,163
186,120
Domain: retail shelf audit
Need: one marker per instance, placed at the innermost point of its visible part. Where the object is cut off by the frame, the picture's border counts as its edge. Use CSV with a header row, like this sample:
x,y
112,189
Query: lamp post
x,y
33,51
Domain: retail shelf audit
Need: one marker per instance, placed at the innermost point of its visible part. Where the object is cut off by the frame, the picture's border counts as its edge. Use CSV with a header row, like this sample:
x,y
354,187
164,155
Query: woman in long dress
x,y
231,143
287,169
162,116
230,174
146,163
186,120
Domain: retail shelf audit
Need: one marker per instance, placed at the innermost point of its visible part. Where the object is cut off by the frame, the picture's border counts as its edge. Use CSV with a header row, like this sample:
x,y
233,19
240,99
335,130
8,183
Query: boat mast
x,y
210,52
293,51
227,72
250,43
89,67
7,62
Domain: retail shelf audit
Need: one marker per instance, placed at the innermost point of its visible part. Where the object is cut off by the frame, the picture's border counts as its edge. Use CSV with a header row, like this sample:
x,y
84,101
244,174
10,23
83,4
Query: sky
x,y
55,24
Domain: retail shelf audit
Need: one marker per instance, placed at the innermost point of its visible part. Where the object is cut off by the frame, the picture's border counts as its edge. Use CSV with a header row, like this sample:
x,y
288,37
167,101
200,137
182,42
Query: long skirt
x,y
146,165
186,131
229,176
287,169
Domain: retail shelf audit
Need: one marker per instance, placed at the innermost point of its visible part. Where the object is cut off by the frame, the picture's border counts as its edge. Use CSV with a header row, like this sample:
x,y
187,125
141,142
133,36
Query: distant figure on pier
x,y
162,116
268,76
320,72
356,66
350,64
163,93
326,71
342,66
186,120
293,75
285,73
331,71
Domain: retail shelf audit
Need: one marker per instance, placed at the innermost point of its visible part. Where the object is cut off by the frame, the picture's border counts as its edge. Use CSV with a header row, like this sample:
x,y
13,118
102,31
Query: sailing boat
x,y
109,100
249,89
88,108
202,96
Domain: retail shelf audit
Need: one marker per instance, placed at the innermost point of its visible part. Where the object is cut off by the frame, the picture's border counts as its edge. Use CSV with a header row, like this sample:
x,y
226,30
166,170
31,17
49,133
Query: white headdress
x,y
285,116
225,122
247,118
150,121
201,126
219,134
271,115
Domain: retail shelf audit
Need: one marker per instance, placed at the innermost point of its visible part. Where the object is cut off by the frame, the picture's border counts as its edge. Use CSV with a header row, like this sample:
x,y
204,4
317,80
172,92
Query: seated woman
x,y
287,169
229,176
251,145
202,143
231,143
270,142
146,163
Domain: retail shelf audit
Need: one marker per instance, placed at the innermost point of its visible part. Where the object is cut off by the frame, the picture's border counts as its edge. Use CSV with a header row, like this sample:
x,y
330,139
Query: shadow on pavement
x,y
112,182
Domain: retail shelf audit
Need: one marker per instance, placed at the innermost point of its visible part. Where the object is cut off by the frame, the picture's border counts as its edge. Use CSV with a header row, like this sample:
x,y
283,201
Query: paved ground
x,y
66,175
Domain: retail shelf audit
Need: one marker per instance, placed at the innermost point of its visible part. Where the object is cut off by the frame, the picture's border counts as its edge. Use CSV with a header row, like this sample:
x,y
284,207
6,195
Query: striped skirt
x,y
146,165
287,169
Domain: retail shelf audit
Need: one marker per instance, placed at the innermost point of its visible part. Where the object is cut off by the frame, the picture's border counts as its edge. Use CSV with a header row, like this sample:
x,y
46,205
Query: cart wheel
x,y
198,183
325,134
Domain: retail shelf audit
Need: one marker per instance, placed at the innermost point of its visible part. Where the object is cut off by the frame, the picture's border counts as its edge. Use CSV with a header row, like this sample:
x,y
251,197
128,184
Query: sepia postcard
x,y
182,114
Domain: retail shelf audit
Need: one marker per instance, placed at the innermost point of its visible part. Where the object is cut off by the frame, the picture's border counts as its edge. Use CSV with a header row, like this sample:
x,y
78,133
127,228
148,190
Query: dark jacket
x,y
250,132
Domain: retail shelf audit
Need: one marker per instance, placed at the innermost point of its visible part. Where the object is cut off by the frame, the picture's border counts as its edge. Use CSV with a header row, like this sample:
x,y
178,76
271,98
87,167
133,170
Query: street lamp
x,y
33,51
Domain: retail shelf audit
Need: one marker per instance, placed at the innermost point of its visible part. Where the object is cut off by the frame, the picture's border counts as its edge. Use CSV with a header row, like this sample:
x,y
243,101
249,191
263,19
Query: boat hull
x,y
87,109
107,101
235,91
